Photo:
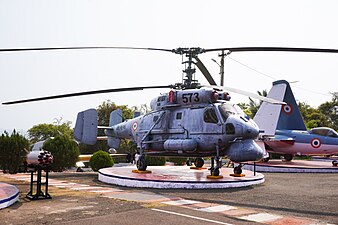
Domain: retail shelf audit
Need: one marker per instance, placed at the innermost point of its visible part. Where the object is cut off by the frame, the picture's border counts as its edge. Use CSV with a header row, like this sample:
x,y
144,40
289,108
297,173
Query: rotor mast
x,y
188,81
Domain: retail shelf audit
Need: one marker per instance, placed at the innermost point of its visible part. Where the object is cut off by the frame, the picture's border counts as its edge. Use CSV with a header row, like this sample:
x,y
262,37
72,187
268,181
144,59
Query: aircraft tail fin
x,y
115,118
85,130
280,117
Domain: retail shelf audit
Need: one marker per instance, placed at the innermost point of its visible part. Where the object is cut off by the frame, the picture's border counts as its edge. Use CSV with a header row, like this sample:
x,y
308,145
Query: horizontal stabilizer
x,y
85,130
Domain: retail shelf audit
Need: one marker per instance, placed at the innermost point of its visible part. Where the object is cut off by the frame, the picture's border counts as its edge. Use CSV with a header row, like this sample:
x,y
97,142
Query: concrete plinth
x,y
176,177
9,194
294,166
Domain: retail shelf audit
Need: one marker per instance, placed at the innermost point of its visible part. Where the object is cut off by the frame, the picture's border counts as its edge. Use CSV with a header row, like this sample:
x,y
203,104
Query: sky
x,y
156,24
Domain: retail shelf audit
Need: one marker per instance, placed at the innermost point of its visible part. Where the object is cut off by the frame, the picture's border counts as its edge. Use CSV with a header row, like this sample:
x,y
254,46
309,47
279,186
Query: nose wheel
x,y
215,171
141,163
238,169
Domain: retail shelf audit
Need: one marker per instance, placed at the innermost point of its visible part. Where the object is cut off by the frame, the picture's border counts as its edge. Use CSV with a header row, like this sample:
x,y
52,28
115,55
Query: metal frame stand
x,y
39,194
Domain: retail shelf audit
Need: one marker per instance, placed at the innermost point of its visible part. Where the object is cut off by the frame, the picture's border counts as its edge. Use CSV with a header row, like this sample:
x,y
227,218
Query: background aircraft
x,y
285,131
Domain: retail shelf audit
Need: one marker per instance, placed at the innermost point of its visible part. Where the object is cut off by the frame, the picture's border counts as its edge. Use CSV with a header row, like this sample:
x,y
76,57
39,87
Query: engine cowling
x,y
180,144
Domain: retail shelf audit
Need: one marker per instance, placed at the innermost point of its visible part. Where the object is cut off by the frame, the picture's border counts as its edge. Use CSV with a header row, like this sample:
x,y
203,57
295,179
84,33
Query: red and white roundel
x,y
287,109
135,125
316,143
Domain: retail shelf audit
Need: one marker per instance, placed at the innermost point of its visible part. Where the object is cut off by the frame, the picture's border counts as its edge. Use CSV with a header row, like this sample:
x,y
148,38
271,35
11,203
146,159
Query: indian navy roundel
x,y
315,143
135,125
287,109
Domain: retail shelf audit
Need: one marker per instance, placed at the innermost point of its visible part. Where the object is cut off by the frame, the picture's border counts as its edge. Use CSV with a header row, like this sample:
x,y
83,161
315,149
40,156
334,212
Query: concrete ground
x,y
79,198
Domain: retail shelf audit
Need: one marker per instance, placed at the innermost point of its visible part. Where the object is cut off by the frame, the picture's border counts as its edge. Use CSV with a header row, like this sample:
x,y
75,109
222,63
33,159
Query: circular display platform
x,y
176,177
9,194
294,166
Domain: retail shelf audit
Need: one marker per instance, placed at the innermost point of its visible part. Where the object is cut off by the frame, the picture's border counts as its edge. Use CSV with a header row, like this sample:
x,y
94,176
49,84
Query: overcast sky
x,y
158,24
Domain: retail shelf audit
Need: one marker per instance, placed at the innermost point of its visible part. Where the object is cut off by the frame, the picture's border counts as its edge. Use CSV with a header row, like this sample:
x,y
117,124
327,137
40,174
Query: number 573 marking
x,y
190,97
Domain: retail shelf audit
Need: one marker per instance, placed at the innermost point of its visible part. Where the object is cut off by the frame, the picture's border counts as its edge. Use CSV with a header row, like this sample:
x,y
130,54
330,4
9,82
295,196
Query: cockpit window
x,y
230,128
228,109
210,116
324,131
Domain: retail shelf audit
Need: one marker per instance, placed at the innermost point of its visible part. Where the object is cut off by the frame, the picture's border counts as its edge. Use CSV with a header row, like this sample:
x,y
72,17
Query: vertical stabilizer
x,y
85,130
279,117
115,118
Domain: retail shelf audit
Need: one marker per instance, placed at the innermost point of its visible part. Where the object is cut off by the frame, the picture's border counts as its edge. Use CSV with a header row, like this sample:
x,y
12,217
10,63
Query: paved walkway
x,y
149,197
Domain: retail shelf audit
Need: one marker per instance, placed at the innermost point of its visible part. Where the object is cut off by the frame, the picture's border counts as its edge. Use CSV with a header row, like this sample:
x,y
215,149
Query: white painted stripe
x,y
217,208
181,202
192,217
85,188
261,217
105,191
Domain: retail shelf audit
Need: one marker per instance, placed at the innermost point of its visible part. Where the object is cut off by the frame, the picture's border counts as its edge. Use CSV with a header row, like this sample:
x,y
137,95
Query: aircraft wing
x,y
279,141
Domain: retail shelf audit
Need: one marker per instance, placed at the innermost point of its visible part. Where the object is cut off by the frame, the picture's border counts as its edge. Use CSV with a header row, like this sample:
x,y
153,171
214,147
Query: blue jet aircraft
x,y
285,131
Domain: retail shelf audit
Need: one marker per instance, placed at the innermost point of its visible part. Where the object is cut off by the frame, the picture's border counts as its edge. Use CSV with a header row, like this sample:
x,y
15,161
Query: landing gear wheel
x,y
238,170
141,164
288,157
215,172
199,162
188,162
335,163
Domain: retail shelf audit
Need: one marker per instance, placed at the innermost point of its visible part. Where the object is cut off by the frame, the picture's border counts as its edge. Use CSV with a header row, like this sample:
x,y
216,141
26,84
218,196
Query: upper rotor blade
x,y
75,48
85,93
274,49
249,94
204,71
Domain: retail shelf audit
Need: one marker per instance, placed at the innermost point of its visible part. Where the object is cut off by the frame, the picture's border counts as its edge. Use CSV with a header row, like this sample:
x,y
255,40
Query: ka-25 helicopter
x,y
191,120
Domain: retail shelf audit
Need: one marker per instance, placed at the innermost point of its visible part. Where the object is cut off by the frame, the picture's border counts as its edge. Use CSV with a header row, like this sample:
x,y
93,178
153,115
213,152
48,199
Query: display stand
x,y
39,194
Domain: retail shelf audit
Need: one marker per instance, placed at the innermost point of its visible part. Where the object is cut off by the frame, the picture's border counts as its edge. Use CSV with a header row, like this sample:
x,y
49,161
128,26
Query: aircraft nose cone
x,y
251,131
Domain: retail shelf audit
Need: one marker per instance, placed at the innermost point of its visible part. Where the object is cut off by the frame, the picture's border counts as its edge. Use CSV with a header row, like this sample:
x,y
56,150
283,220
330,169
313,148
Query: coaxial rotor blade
x,y
78,48
204,71
85,93
246,93
273,49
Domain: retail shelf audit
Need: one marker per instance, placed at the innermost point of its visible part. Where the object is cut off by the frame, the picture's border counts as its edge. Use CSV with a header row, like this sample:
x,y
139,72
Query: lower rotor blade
x,y
249,94
204,71
85,93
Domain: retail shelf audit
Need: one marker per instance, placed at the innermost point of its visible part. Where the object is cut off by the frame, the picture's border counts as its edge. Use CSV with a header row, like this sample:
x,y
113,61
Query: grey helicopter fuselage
x,y
190,123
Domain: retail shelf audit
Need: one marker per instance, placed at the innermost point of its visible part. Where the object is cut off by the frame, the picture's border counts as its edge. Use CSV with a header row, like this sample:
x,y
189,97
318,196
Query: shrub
x,y
13,150
101,159
64,150
155,161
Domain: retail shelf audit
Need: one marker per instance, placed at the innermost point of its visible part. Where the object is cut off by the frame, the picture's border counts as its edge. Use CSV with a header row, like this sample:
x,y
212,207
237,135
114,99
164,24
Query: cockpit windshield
x,y
324,131
227,109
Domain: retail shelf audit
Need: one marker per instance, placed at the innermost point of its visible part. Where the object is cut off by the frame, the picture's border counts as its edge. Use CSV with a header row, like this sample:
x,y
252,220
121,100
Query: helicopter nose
x,y
250,130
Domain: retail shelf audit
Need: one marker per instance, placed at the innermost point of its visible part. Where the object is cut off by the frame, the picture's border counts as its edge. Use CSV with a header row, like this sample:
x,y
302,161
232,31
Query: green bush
x,y
155,161
64,150
101,159
13,150
178,161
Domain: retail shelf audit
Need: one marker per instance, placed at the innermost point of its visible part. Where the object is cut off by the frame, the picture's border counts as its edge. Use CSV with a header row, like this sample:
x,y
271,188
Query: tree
x,y
13,150
107,107
65,152
312,117
253,106
43,131
330,109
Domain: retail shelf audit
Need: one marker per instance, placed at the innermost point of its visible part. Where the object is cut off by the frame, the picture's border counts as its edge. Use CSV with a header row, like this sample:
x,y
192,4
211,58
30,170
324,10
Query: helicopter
x,y
191,120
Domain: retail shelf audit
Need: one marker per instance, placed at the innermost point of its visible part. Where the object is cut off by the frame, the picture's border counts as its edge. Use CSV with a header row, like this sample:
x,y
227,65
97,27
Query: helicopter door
x,y
211,122
204,121
176,122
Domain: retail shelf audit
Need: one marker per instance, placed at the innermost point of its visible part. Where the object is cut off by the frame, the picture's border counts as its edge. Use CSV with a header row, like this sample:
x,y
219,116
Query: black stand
x,y
39,194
